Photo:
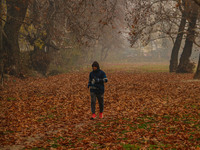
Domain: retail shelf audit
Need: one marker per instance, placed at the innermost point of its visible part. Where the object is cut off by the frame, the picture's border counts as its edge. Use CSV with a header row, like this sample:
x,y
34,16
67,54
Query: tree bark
x,y
106,54
197,2
174,55
185,66
49,24
102,52
197,74
16,11
1,43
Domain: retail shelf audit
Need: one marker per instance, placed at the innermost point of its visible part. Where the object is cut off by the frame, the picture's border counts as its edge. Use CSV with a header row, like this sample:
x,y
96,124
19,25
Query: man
x,y
96,82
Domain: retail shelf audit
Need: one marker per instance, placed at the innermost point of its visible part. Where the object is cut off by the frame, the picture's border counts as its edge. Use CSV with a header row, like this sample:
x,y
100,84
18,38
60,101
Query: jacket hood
x,y
96,64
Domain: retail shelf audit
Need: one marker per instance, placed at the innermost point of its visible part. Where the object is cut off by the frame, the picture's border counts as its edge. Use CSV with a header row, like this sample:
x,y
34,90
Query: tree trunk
x,y
49,24
197,74
106,54
185,66
102,52
1,43
197,2
16,11
177,45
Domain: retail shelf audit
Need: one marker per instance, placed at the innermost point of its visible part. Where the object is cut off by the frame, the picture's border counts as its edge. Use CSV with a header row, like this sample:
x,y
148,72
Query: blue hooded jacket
x,y
96,82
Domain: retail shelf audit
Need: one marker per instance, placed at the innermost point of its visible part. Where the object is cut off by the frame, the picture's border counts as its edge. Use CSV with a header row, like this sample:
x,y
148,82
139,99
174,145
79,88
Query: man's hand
x,y
105,80
97,80
93,81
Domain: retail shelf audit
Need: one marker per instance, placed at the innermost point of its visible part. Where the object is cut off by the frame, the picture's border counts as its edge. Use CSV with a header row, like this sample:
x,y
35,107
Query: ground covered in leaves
x,y
142,111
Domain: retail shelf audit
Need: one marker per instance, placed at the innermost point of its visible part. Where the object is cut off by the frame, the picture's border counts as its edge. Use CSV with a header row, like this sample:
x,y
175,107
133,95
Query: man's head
x,y
95,65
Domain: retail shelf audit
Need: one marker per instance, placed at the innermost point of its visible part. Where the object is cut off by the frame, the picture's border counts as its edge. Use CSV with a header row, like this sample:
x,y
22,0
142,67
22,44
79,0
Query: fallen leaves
x,y
142,110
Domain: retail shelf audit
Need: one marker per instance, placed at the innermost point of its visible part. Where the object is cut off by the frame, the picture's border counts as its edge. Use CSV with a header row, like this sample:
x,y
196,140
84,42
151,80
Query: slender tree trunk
x,y
102,52
185,66
16,11
177,45
106,54
1,43
197,74
49,24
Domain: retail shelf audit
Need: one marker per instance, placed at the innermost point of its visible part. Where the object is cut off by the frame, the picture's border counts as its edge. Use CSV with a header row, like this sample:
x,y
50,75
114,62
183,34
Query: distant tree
x,y
197,74
175,50
112,39
42,34
150,20
185,66
83,19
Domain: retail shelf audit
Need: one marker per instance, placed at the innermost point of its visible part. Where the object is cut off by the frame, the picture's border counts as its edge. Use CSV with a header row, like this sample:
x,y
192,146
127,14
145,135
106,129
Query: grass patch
x,y
48,116
130,147
142,126
95,145
133,128
8,132
41,119
38,148
11,99
133,67
167,117
127,119
153,68
99,123
152,147
55,145
124,131
80,139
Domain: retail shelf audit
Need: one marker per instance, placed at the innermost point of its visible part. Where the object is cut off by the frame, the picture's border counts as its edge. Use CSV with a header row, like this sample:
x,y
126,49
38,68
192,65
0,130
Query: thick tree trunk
x,y
1,43
197,74
174,55
197,2
16,11
185,66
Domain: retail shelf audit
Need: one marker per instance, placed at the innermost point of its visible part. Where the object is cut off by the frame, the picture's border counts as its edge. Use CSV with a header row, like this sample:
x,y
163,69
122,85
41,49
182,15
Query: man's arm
x,y
89,82
105,79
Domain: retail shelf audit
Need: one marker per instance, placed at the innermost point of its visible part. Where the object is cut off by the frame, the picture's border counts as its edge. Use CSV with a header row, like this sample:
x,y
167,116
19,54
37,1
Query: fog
x,y
57,36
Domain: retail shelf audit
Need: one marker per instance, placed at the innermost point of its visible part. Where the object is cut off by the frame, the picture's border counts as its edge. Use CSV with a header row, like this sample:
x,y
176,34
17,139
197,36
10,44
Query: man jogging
x,y
96,82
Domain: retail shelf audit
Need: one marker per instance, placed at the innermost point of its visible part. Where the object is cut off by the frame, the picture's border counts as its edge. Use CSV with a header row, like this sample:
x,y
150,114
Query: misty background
x,y
49,37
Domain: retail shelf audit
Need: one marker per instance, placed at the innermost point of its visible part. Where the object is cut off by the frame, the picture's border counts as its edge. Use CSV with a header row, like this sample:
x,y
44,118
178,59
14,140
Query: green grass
x,y
167,117
55,145
153,68
130,147
132,67
95,145
152,147
124,131
8,132
38,148
11,99
142,126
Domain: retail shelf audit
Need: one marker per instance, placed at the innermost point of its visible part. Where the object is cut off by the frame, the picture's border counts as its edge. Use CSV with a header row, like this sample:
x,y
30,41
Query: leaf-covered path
x,y
142,111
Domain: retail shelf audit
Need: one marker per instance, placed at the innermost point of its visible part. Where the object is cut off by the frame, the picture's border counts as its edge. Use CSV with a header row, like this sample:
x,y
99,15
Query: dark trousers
x,y
93,101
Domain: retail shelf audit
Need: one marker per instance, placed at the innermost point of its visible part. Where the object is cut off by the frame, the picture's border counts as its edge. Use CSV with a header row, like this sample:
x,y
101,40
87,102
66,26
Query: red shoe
x,y
93,117
101,115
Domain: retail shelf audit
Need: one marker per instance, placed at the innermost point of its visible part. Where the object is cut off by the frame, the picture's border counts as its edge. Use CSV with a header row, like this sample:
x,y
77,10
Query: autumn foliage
x,y
142,110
